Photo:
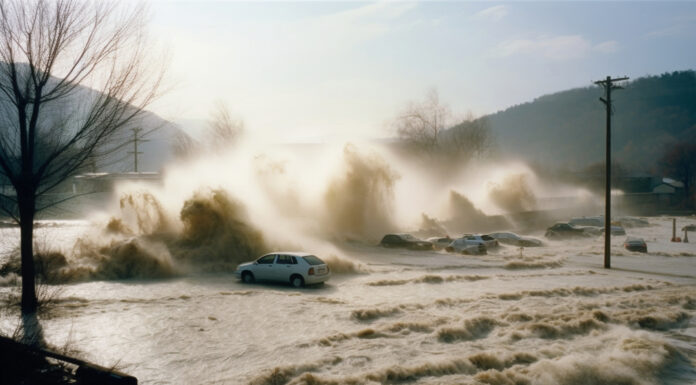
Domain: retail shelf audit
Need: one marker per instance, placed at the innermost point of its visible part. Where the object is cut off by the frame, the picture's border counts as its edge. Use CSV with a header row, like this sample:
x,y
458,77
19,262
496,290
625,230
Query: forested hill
x,y
567,129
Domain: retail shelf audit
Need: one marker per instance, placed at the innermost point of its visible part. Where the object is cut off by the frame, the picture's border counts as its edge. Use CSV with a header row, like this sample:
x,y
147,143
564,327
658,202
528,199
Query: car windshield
x,y
312,260
408,237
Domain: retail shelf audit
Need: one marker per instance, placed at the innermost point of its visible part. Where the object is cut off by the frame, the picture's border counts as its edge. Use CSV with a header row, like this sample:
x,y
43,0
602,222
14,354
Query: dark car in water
x,y
406,241
636,244
587,221
566,230
615,230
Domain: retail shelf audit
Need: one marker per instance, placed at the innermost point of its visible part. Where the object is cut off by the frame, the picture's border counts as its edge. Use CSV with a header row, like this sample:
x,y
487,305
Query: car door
x,y
460,245
264,267
472,240
283,268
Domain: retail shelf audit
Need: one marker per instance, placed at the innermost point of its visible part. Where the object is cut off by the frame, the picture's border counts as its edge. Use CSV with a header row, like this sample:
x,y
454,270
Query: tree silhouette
x,y
426,129
51,127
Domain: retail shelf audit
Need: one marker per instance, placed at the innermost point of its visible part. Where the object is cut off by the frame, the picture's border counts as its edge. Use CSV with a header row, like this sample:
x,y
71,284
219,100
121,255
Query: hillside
x,y
567,129
158,133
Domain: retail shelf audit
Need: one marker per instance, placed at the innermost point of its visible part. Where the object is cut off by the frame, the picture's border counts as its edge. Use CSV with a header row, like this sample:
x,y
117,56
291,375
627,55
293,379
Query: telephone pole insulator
x,y
608,85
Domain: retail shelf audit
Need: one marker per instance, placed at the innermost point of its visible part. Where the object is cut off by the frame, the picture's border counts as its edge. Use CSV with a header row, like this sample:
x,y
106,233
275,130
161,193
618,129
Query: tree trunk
x,y
27,204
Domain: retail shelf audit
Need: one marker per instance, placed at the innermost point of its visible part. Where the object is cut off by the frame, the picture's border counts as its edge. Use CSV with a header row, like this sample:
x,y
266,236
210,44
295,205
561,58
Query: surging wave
x,y
359,202
213,234
635,359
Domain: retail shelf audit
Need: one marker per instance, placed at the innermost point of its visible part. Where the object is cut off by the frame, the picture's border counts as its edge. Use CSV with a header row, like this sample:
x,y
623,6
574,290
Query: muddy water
x,y
549,315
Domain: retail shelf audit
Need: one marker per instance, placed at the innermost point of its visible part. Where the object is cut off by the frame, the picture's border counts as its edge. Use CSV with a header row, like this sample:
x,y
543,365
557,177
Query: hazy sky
x,y
326,70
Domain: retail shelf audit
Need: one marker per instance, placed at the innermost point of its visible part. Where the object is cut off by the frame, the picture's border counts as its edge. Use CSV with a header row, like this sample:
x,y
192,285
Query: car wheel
x,y
247,277
296,281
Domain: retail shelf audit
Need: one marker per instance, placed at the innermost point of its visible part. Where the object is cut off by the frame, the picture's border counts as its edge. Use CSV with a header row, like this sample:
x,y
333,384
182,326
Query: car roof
x,y
293,253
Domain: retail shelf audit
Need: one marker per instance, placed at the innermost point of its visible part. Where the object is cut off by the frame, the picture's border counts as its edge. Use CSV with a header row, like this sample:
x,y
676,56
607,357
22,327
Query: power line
x,y
608,85
136,139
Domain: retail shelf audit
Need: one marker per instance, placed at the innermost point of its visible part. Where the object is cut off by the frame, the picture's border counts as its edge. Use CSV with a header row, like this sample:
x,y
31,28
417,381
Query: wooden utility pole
x,y
136,139
608,85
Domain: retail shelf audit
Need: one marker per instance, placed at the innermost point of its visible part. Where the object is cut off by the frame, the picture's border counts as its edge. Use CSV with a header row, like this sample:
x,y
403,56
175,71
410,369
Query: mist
x,y
216,209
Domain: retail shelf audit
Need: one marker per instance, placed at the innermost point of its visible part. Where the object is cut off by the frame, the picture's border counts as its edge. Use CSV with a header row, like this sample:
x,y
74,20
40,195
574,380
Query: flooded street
x,y
157,153
547,315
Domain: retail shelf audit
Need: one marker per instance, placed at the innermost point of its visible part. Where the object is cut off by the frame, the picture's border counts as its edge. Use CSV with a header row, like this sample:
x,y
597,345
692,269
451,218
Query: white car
x,y
298,269
440,243
515,240
490,242
467,246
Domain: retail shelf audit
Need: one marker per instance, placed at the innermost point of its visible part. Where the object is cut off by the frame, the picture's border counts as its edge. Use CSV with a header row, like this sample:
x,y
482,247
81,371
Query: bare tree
x,y
425,128
223,129
51,126
420,123
184,146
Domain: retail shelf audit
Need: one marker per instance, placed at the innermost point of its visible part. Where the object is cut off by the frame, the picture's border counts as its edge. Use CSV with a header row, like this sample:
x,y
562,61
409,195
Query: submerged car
x,y
587,221
490,242
297,269
513,239
440,243
636,244
566,230
615,230
467,246
632,222
407,241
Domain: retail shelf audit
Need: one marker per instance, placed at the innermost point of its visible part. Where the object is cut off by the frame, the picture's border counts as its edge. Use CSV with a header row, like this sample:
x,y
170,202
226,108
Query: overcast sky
x,y
313,71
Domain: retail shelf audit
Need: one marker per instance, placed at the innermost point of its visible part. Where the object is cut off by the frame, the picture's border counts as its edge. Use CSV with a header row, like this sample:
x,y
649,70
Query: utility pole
x,y
608,85
136,139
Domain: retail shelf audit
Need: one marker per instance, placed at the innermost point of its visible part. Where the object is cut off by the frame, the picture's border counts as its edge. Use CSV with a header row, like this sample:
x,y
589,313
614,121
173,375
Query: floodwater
x,y
547,315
